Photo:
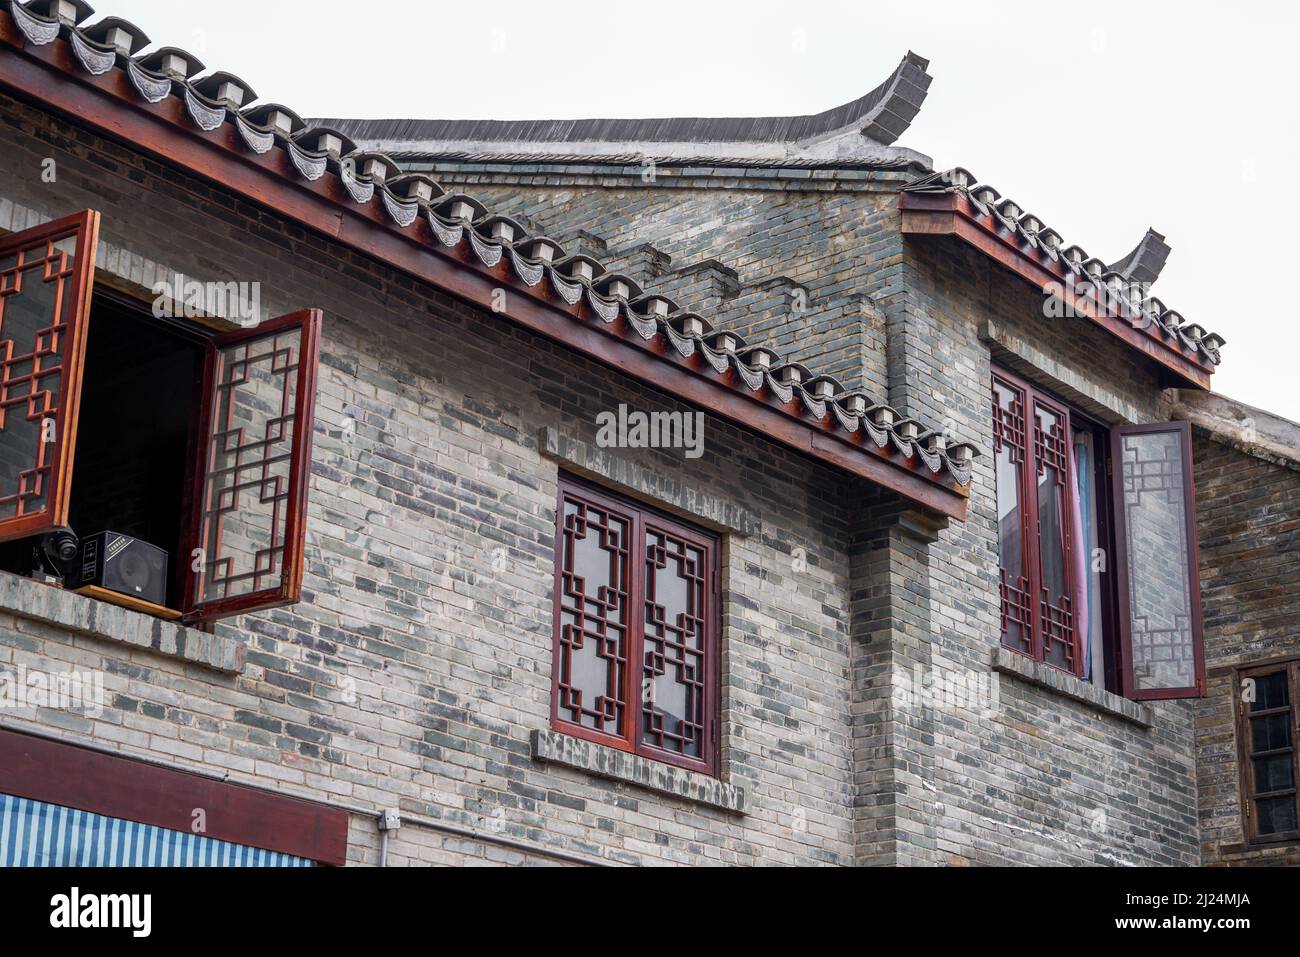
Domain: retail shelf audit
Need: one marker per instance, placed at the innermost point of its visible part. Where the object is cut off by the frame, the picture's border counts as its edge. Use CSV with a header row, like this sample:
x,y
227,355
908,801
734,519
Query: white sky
x,y
1103,118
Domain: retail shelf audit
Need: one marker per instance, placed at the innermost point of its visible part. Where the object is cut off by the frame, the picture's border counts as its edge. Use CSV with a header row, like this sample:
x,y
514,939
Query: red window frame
x,y
1033,448
287,586
1246,752
64,340
1019,429
1192,560
628,731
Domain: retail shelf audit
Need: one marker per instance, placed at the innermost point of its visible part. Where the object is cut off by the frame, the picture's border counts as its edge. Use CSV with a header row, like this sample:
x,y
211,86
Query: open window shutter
x,y
45,287
253,449
1159,585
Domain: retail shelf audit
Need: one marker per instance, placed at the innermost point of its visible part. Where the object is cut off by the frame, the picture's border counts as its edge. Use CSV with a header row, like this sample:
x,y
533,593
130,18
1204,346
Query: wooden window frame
x,y
68,775
1031,548
289,589
1246,766
1192,558
639,516
1117,652
74,316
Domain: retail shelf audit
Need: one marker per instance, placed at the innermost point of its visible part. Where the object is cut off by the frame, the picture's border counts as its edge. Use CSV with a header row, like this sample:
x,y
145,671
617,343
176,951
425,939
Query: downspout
x,y
389,820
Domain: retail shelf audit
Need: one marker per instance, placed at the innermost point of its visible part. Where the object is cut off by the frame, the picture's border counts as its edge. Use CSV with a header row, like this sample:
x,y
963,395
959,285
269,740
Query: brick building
x,y
609,492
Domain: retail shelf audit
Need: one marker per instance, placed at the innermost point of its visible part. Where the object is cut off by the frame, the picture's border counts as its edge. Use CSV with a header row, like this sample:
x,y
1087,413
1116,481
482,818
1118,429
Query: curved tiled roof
x,y
428,157
456,220
881,115
1121,286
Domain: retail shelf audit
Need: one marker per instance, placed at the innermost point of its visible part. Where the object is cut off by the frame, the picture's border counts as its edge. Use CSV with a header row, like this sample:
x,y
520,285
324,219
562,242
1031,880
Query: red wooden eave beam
x,y
950,214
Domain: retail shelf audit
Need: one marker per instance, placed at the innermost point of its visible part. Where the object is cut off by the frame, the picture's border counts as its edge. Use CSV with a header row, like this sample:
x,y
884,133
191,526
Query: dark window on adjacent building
x,y
636,629
1266,735
1096,544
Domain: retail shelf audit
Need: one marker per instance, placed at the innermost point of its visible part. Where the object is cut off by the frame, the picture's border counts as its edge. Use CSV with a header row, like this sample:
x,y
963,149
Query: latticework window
x,y
1097,567
636,637
1036,557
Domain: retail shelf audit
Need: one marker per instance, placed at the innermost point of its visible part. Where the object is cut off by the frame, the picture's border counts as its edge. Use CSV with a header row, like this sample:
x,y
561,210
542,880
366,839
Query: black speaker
x,y
124,564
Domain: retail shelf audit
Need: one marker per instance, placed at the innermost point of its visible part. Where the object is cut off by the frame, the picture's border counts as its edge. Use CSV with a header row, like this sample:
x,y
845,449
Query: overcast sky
x,y
1103,118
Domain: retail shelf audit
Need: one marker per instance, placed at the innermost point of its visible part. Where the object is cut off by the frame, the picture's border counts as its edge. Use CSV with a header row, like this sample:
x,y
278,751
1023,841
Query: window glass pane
x,y
1277,815
1274,774
1056,589
675,666
1090,621
1158,548
1009,446
1270,691
593,617
1271,732
247,464
34,296
35,834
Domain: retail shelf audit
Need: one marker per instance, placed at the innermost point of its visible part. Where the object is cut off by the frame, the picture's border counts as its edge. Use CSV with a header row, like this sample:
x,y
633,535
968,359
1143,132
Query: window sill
x,y
554,747
1032,672
82,615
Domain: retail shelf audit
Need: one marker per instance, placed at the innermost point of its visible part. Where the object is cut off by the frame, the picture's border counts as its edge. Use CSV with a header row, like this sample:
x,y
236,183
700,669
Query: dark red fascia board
x,y
49,75
951,214
40,769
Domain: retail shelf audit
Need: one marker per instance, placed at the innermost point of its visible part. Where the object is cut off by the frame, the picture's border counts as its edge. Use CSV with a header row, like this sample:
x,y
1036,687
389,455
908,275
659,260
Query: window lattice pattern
x,y
1035,570
1017,607
1058,629
1049,445
1009,426
1055,539
1160,608
675,664
1013,575
593,637
247,466
34,300
636,638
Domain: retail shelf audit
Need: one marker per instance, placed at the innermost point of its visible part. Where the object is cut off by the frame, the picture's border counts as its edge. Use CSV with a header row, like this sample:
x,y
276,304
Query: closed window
x,y
636,629
1266,733
1096,544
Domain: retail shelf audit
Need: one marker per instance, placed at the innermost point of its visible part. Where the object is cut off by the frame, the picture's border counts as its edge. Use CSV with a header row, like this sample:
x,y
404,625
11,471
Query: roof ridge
x,y
882,115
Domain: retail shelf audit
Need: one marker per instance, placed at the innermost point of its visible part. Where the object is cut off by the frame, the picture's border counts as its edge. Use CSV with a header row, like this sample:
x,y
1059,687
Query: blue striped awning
x,y
35,834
